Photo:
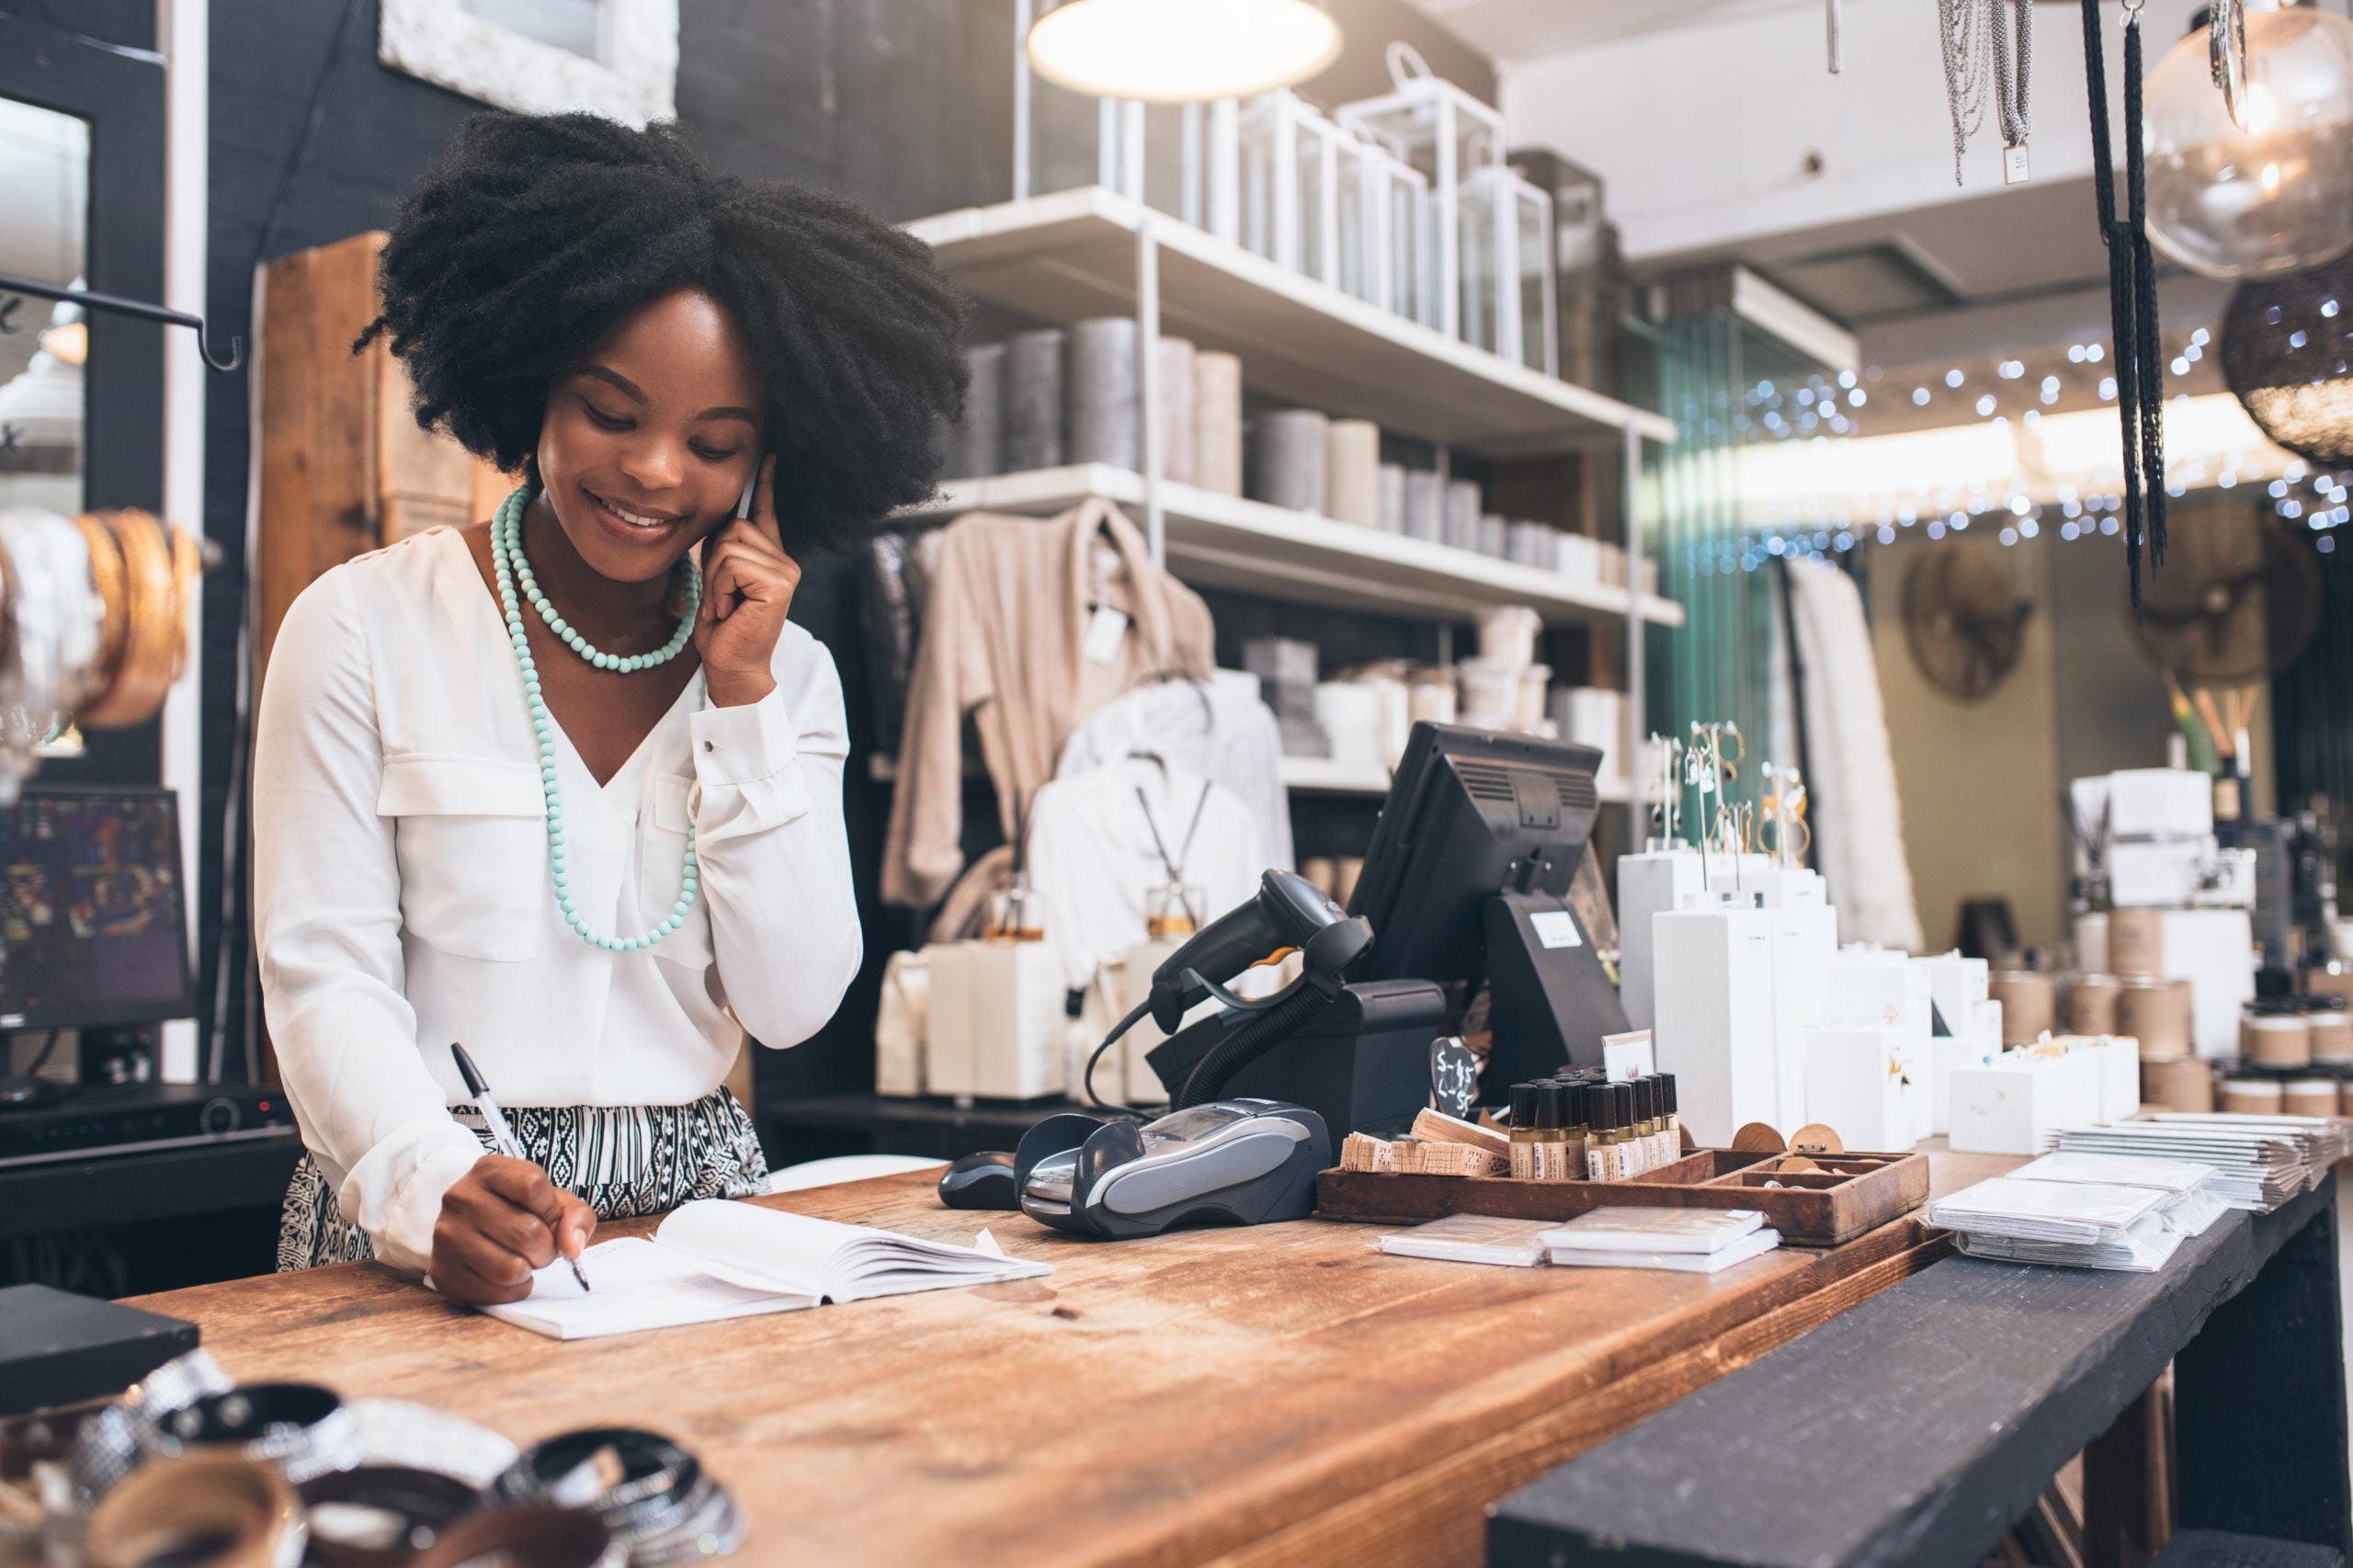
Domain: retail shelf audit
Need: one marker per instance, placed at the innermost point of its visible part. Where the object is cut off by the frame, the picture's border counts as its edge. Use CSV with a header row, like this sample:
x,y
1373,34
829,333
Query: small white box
x,y
1956,985
2159,803
1787,887
2120,1071
1860,1085
998,1019
1805,937
1874,985
2020,1101
1714,1024
1947,1055
2214,950
2157,873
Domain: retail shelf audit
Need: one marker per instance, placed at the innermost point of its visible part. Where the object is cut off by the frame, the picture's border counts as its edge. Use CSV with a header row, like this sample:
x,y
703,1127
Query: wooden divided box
x,y
1813,1200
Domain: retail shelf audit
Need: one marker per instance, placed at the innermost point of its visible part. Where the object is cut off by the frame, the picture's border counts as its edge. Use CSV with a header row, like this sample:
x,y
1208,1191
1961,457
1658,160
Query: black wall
x,y
904,104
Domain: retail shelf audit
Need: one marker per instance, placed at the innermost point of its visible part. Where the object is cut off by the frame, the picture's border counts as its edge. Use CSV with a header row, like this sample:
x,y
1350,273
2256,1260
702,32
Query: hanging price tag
x,y
2014,165
1103,634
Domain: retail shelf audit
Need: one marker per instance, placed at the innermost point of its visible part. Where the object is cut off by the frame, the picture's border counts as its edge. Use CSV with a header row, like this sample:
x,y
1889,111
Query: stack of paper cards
x,y
2260,1162
1689,1240
2081,1224
2197,1201
1473,1238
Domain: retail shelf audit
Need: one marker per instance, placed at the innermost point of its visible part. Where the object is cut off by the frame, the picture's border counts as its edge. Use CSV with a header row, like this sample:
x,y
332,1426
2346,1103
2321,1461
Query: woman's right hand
x,y
500,1220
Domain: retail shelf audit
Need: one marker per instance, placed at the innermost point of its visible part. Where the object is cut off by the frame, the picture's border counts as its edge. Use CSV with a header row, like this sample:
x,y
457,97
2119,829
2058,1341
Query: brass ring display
x,y
153,649
108,575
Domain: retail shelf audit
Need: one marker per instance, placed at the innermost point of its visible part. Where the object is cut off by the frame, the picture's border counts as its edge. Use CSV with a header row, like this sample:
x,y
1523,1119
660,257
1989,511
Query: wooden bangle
x,y
148,659
108,575
187,564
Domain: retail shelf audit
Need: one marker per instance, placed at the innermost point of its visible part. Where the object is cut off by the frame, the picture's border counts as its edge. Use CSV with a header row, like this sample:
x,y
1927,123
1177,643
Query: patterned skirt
x,y
623,1161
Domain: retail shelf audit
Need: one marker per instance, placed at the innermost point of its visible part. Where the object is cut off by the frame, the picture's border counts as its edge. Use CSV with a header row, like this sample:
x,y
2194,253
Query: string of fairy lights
x,y
1820,419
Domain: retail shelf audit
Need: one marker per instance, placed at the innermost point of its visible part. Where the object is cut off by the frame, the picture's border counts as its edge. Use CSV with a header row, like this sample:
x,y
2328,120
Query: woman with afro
x,y
564,787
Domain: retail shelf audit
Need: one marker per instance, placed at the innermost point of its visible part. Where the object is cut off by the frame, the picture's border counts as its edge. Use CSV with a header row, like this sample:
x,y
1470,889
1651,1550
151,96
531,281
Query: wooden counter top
x,y
1273,1395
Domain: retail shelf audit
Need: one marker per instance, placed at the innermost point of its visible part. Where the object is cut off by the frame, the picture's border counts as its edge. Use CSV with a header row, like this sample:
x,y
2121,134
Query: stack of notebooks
x,y
2260,1162
1687,1241
2083,1210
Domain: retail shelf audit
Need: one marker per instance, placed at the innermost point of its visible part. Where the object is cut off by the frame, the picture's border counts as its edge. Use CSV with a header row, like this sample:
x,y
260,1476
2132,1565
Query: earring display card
x,y
1813,1201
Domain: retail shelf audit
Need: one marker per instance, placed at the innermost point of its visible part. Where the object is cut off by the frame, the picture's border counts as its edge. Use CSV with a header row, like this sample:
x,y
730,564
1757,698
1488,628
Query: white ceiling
x,y
1506,30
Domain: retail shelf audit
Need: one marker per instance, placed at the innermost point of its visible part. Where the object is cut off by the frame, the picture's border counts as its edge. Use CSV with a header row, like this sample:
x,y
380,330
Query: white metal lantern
x,y
1447,134
1509,303
1384,230
1288,158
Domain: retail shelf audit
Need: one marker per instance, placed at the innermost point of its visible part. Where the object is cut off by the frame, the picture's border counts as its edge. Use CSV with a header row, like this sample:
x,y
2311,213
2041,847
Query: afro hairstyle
x,y
519,250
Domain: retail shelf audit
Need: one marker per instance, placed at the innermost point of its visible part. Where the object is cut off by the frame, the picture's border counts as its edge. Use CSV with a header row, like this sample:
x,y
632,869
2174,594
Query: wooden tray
x,y
1851,1194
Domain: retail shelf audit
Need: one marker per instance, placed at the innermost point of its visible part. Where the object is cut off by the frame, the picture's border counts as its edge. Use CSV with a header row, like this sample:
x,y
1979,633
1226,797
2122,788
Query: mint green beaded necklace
x,y
508,563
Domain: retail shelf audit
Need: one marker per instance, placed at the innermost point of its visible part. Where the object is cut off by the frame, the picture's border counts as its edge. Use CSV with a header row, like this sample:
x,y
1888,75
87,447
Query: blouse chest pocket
x,y
471,836
661,873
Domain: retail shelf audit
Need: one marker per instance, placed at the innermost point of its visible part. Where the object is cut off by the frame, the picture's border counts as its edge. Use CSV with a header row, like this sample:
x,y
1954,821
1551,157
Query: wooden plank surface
x,y
1254,1396
1917,1428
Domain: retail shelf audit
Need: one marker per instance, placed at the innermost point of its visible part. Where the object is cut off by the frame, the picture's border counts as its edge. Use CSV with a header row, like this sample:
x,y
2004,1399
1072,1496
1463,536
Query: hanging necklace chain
x,y
625,663
506,558
1980,51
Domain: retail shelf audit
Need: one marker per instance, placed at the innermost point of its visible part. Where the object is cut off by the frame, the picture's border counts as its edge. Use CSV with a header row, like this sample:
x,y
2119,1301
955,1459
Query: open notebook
x,y
714,1259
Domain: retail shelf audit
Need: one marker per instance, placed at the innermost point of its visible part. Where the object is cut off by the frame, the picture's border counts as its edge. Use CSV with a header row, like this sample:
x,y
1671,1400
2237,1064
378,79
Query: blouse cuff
x,y
745,768
744,744
396,1193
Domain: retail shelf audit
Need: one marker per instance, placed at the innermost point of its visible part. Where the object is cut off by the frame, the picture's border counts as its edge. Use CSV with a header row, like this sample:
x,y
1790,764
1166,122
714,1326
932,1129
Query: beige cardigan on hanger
x,y
1004,641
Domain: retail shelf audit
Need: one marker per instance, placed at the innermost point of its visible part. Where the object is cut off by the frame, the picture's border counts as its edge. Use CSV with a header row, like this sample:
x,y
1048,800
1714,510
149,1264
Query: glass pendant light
x,y
1174,52
2277,196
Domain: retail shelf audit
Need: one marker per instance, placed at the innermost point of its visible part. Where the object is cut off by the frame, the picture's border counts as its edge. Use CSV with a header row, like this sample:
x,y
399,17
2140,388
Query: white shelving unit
x,y
1225,542
1093,252
1074,254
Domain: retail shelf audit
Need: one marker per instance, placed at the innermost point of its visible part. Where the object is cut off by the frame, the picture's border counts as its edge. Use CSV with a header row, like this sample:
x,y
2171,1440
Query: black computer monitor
x,y
1466,883
93,912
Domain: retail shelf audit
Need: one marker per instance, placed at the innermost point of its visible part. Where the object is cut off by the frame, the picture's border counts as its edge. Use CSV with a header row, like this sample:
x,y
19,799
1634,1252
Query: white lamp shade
x,y
1182,51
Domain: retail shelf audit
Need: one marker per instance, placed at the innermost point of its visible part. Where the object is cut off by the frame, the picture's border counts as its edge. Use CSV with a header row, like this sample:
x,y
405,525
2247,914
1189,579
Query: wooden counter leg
x,y
2125,1516
2259,1404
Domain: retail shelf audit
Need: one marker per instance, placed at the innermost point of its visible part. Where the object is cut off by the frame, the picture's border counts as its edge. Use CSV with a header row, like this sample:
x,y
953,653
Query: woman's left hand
x,y
747,586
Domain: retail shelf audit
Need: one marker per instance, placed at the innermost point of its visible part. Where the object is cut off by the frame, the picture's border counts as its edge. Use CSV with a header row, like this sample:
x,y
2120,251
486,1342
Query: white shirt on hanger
x,y
401,899
1220,728
1094,861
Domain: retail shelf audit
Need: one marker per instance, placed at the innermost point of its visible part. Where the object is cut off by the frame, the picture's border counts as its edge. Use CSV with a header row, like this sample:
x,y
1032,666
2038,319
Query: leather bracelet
x,y
221,1509
532,1536
381,1515
303,1429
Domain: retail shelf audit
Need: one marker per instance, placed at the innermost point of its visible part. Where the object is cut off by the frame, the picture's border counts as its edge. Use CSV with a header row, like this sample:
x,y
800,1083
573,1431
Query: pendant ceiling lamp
x,y
2286,343
1175,52
2268,191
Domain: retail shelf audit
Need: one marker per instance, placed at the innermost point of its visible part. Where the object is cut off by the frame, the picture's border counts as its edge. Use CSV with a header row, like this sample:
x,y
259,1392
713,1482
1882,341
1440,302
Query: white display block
x,y
1714,1024
1948,1053
1861,1084
1650,884
2157,874
2214,950
2158,803
2120,1071
1805,937
998,1019
1956,985
1875,985
2020,1102
1787,887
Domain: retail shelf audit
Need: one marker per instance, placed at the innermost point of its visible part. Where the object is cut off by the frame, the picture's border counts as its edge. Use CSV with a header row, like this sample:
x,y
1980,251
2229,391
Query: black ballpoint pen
x,y
501,1134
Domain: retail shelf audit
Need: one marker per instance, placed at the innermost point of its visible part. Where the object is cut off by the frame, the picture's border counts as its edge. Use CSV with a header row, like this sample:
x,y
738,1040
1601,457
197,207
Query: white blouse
x,y
401,893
